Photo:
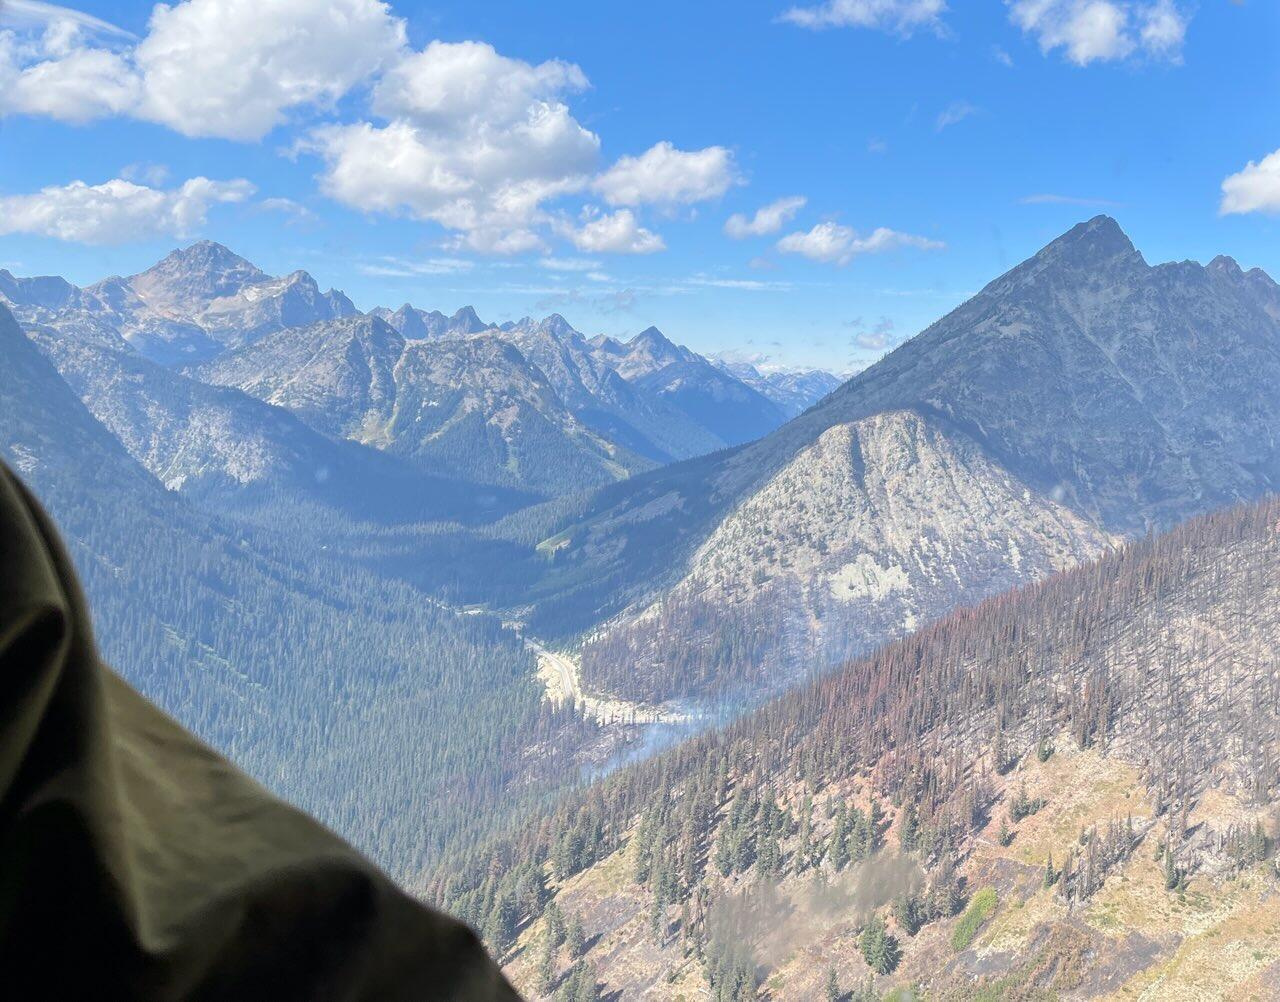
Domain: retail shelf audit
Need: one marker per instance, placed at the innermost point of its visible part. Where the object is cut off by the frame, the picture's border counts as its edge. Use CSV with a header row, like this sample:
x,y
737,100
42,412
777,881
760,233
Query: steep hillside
x,y
878,527
310,672
1066,791
1131,395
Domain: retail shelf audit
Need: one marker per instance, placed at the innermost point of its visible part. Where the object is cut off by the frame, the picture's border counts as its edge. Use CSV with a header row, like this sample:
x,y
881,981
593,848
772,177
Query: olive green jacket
x,y
137,863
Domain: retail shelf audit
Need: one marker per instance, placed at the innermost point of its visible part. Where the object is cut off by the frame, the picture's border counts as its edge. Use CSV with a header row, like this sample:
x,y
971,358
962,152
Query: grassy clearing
x,y
980,909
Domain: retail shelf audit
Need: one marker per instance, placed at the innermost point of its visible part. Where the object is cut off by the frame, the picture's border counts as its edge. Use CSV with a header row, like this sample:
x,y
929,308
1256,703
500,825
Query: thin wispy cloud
x,y
1046,198
767,219
33,13
954,113
832,243
899,17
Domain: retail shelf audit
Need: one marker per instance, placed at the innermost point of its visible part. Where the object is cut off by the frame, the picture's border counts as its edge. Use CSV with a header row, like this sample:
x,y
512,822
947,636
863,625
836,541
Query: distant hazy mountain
x,y
794,390
530,404
718,401
414,323
470,407
648,395
554,414
189,306
588,381
1109,394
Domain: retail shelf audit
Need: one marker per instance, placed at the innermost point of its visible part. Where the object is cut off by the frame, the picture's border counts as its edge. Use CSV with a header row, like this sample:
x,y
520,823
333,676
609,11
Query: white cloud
x,y
145,173
1103,30
768,219
902,17
1256,188
396,267
742,284
235,68
1164,29
955,112
614,233
835,244
294,212
60,76
476,142
116,211
878,338
664,175
232,69
456,133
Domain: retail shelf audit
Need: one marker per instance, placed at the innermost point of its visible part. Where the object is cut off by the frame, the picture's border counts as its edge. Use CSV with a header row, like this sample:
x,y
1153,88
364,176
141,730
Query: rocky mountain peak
x,y
465,321
1090,244
197,274
654,342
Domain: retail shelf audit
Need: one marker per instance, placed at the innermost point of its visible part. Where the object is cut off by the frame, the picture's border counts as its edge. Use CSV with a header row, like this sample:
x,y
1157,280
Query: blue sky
x,y
585,158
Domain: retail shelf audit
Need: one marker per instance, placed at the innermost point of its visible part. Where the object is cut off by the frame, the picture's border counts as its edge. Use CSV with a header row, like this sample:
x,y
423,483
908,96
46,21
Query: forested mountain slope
x,y
1130,395
285,659
1067,790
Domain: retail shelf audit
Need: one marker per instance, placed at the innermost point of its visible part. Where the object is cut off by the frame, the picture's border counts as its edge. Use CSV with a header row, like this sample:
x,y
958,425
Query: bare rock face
x,y
1114,395
878,527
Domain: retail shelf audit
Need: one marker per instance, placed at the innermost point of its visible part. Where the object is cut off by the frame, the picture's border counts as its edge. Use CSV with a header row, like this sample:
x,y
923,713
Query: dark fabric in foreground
x,y
136,863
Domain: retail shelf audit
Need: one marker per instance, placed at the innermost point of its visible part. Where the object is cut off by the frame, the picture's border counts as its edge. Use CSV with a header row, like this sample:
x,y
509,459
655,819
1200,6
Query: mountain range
x,y
528,406
281,505
1080,398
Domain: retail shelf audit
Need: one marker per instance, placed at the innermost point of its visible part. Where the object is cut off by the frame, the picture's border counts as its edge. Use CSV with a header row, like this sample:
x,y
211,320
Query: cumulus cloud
x,y
475,141
768,219
63,76
835,244
902,17
664,175
454,134
117,211
232,69
614,233
1103,30
1256,188
235,68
